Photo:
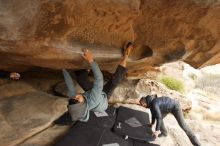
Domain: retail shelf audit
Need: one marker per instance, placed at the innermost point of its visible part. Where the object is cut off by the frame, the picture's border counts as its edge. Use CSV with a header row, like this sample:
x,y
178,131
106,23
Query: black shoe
x,y
162,135
126,46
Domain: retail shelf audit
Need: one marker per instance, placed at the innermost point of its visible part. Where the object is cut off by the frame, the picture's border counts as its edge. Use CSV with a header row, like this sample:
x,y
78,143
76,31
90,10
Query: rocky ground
x,y
28,108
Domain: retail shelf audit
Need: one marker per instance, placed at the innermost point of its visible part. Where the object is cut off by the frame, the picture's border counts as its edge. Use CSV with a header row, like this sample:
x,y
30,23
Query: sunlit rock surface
x,y
132,93
51,33
27,114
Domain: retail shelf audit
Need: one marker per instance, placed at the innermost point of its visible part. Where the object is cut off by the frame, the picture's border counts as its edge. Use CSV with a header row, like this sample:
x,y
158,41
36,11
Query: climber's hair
x,y
142,99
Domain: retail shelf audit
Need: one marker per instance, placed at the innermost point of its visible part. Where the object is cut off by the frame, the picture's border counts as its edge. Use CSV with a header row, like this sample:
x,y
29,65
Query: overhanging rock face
x,y
51,33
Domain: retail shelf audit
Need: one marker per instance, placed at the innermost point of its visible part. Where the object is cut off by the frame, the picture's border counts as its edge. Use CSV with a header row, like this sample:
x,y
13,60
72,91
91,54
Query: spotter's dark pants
x,y
178,114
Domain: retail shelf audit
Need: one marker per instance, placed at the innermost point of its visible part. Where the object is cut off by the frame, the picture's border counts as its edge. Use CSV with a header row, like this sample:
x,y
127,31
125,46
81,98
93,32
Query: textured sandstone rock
x,y
30,81
42,80
15,88
181,71
147,87
204,105
207,132
28,114
50,33
61,89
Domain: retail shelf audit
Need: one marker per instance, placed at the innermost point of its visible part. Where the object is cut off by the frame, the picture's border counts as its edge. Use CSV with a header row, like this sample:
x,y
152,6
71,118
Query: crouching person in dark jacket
x,y
159,108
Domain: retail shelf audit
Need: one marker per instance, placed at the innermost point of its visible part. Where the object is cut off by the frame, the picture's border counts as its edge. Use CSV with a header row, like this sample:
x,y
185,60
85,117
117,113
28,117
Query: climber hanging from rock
x,y
95,97
12,75
160,107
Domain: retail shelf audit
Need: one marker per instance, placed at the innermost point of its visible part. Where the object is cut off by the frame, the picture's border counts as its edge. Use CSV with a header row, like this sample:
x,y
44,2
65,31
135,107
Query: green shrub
x,y
172,83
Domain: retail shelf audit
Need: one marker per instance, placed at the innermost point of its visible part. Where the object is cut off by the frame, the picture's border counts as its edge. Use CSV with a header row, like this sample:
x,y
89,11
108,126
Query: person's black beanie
x,y
148,99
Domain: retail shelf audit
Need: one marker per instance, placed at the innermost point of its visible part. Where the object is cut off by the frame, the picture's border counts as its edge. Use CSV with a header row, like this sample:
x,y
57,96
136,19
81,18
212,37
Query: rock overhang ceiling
x,y
51,33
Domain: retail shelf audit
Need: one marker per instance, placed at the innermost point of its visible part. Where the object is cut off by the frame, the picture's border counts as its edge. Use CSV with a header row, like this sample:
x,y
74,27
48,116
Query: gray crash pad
x,y
133,124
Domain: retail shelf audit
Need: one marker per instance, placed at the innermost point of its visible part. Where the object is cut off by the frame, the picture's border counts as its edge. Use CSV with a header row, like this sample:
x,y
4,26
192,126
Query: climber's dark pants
x,y
178,114
82,79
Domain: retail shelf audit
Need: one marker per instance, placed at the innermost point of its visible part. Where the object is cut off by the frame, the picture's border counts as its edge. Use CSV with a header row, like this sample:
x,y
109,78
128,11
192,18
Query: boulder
x,y
25,115
181,71
145,87
14,89
50,34
37,78
61,89
43,80
124,93
149,87
206,131
205,105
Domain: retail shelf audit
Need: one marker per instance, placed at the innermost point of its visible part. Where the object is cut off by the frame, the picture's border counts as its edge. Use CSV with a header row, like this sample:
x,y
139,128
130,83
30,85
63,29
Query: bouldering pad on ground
x,y
97,132
133,124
